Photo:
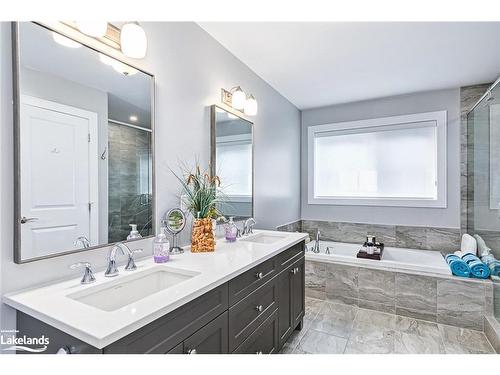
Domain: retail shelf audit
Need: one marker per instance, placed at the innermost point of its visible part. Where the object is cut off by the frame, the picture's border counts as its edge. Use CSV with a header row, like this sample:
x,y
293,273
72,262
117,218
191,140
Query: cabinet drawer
x,y
264,340
165,333
241,286
211,339
289,256
249,313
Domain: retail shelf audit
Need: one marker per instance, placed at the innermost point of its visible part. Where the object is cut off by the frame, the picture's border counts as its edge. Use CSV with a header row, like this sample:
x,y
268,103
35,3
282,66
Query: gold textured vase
x,y
202,237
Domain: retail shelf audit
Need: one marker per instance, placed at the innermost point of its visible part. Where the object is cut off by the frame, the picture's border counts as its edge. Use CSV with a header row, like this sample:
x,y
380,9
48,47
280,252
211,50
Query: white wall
x,y
391,106
190,68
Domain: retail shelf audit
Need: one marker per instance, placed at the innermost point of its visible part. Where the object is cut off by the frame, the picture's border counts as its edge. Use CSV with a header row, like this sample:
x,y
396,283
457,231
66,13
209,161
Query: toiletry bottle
x,y
231,230
161,247
134,233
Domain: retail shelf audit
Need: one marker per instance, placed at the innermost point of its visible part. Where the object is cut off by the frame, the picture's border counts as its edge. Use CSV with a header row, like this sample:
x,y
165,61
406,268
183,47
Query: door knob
x,y
25,219
191,351
258,308
259,275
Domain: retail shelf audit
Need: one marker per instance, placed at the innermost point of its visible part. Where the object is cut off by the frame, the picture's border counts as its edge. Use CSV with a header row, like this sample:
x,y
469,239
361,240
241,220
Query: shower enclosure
x,y
483,170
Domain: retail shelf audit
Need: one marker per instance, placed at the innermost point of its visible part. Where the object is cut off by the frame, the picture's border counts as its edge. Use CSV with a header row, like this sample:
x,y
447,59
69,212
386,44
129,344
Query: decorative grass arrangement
x,y
201,194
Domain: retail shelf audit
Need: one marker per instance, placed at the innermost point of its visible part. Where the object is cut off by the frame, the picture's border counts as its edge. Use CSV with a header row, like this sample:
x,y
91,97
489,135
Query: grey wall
x,y
190,68
398,105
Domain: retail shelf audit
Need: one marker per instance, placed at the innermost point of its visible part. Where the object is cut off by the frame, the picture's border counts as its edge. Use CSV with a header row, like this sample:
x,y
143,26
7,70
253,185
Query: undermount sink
x,y
124,291
264,238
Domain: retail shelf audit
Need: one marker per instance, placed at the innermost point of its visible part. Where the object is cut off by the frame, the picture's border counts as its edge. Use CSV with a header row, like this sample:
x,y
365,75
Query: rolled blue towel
x,y
492,263
458,266
477,268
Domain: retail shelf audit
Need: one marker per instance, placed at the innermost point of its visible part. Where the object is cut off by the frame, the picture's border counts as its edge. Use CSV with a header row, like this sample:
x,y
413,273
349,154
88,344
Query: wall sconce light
x,y
237,99
133,40
96,29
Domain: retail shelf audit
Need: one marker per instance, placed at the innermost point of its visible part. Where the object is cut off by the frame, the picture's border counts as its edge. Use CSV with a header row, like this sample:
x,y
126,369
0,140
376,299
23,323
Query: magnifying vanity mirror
x,y
84,137
174,221
232,160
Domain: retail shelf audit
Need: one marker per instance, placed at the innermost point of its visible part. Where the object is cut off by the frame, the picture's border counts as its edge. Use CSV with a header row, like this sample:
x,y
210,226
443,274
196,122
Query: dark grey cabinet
x,y
255,312
291,293
211,339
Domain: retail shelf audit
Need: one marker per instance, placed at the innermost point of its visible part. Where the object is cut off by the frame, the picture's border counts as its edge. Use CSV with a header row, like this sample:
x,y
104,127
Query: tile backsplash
x,y
428,238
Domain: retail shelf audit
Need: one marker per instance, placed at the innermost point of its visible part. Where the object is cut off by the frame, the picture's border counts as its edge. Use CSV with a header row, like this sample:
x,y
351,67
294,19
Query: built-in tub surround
x,y
440,298
427,238
82,311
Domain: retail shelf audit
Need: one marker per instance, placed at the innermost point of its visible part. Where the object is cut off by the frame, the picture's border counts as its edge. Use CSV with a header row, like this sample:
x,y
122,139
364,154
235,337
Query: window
x,y
391,161
234,166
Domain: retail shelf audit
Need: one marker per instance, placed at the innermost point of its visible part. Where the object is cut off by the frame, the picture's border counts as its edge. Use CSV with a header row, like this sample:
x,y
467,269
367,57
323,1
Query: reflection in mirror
x,y
85,137
232,159
175,221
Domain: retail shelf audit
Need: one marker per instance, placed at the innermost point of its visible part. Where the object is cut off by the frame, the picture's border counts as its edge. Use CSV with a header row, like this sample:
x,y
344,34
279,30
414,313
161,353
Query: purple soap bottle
x,y
161,247
231,230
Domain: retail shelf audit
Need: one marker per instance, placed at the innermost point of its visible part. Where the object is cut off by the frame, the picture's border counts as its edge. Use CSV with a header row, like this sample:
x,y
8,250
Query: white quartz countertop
x,y
100,328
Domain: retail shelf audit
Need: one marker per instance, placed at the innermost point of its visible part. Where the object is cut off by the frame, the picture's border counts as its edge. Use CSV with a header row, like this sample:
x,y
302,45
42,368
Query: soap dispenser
x,y
231,230
161,247
134,233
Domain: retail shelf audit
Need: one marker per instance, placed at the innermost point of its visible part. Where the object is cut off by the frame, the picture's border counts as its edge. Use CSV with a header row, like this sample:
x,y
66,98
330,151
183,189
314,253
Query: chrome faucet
x,y
248,226
316,243
112,270
82,241
88,276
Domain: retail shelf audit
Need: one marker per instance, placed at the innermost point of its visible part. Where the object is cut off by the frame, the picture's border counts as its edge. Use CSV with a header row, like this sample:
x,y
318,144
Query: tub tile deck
x,y
338,328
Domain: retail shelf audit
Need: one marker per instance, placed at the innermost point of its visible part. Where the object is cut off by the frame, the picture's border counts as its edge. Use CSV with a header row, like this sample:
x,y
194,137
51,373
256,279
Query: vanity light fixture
x,y
64,41
133,40
237,99
250,106
96,29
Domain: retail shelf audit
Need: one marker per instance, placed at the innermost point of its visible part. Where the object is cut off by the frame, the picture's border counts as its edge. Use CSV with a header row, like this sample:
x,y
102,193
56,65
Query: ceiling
x,y
318,64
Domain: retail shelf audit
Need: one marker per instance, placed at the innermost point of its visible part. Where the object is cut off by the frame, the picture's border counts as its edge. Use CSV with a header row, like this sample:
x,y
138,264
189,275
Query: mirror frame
x,y
17,149
213,141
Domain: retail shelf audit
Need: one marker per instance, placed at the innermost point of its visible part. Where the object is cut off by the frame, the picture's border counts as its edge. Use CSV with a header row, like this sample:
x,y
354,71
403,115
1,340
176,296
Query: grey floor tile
x,y
464,341
408,343
316,342
369,319
313,306
417,327
336,319
373,340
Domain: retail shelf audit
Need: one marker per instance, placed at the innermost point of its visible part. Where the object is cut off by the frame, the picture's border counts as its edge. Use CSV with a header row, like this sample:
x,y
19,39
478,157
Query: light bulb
x,y
133,118
64,41
250,106
96,29
133,41
239,99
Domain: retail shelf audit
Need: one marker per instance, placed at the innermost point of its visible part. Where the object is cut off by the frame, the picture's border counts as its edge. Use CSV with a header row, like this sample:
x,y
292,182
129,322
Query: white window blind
x,y
234,166
392,161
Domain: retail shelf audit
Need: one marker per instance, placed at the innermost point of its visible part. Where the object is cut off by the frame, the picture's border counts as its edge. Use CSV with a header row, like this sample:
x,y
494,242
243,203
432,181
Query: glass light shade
x,y
251,106
64,41
133,41
96,29
239,99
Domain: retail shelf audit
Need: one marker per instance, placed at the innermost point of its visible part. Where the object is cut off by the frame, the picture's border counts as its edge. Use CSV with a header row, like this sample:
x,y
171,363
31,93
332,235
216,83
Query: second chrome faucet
x,y
112,269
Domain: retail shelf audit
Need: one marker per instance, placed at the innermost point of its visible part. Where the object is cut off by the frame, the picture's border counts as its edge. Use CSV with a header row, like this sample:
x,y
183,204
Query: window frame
x,y
399,122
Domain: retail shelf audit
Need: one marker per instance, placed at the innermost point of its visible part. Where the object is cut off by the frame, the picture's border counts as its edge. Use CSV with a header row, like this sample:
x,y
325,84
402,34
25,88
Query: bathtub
x,y
394,258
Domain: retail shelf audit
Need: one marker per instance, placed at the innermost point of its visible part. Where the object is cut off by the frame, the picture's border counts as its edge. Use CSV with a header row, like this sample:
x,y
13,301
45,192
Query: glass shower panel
x,y
129,181
483,183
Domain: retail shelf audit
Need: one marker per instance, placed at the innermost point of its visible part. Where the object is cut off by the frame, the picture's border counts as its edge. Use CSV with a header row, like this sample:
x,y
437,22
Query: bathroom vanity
x,y
246,297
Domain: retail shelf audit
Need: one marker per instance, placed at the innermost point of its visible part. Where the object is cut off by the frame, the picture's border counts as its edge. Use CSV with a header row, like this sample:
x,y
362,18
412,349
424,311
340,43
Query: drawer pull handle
x,y
258,308
293,271
191,351
259,275
259,352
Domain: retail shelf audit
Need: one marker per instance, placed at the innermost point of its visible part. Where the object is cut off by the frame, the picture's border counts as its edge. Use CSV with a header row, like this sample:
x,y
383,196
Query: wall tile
x,y
460,303
376,286
315,279
342,283
416,296
411,237
443,239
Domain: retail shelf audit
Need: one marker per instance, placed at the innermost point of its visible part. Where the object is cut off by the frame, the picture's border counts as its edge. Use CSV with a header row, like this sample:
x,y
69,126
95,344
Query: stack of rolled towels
x,y
466,263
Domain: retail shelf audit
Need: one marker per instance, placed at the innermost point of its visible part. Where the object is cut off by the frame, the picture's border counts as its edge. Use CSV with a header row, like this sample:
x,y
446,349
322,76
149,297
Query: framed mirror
x,y
231,158
84,136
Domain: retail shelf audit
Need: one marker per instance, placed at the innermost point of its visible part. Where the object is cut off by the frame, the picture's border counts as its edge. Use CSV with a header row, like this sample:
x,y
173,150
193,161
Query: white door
x,y
58,167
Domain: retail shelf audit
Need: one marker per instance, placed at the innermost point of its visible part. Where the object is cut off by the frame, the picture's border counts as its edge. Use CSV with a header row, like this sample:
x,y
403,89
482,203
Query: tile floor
x,y
333,328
